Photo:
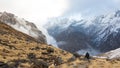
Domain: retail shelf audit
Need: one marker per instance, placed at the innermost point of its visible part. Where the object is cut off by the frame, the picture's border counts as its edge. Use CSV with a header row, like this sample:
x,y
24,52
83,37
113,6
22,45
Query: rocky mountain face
x,y
67,35
108,33
100,34
22,25
19,50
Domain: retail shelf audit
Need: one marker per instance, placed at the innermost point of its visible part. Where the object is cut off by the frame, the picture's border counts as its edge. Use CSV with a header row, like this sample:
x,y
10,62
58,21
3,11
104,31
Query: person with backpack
x,y
87,56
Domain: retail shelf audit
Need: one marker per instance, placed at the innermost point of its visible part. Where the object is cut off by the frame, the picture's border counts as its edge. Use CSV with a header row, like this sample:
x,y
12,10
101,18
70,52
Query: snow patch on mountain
x,y
100,30
27,27
112,54
50,39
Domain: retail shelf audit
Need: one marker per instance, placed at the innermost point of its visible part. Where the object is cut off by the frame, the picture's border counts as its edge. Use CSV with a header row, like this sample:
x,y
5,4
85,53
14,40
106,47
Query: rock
x,y
71,59
36,48
76,55
58,61
40,64
3,65
43,48
6,51
50,50
45,53
31,56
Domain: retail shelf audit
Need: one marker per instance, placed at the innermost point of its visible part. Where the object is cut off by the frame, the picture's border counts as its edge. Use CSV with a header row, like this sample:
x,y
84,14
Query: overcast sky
x,y
39,10
86,8
34,10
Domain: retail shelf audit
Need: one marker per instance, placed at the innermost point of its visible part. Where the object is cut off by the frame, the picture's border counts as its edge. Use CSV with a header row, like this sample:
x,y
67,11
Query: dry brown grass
x,y
16,46
22,51
94,63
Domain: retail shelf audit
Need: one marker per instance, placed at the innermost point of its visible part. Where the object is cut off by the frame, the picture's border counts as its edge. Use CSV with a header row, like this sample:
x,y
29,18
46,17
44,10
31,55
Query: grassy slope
x,y
21,50
94,63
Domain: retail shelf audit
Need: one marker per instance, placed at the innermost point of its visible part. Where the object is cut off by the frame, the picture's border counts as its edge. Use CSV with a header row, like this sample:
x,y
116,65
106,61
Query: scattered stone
x,y
76,55
3,65
40,64
107,59
44,58
58,61
6,51
31,56
50,50
71,59
45,53
37,48
118,59
14,42
4,57
43,48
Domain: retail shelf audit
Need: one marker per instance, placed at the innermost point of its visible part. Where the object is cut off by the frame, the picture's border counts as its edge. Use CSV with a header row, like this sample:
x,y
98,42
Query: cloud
x,y
34,10
117,1
39,10
92,7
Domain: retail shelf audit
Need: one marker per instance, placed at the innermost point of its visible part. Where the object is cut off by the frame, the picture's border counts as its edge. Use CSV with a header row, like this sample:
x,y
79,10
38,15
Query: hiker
x,y
87,56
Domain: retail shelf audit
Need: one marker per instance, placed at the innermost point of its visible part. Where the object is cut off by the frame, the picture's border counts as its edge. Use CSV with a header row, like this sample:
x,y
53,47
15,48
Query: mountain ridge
x,y
22,25
19,50
102,33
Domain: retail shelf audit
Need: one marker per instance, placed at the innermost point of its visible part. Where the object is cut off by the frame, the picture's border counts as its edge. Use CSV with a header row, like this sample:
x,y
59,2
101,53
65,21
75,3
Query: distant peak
x,y
117,13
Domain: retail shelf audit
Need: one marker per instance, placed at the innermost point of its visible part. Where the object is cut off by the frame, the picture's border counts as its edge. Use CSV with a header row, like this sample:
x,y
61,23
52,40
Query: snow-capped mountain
x,y
106,31
101,33
22,25
64,30
113,54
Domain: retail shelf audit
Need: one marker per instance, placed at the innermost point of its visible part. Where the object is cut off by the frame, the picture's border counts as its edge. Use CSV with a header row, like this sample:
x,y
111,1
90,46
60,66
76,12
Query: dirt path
x,y
94,63
103,63
75,64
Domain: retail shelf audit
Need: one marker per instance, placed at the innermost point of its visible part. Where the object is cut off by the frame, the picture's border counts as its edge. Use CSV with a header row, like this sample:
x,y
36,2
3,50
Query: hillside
x,y
22,25
18,50
94,63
